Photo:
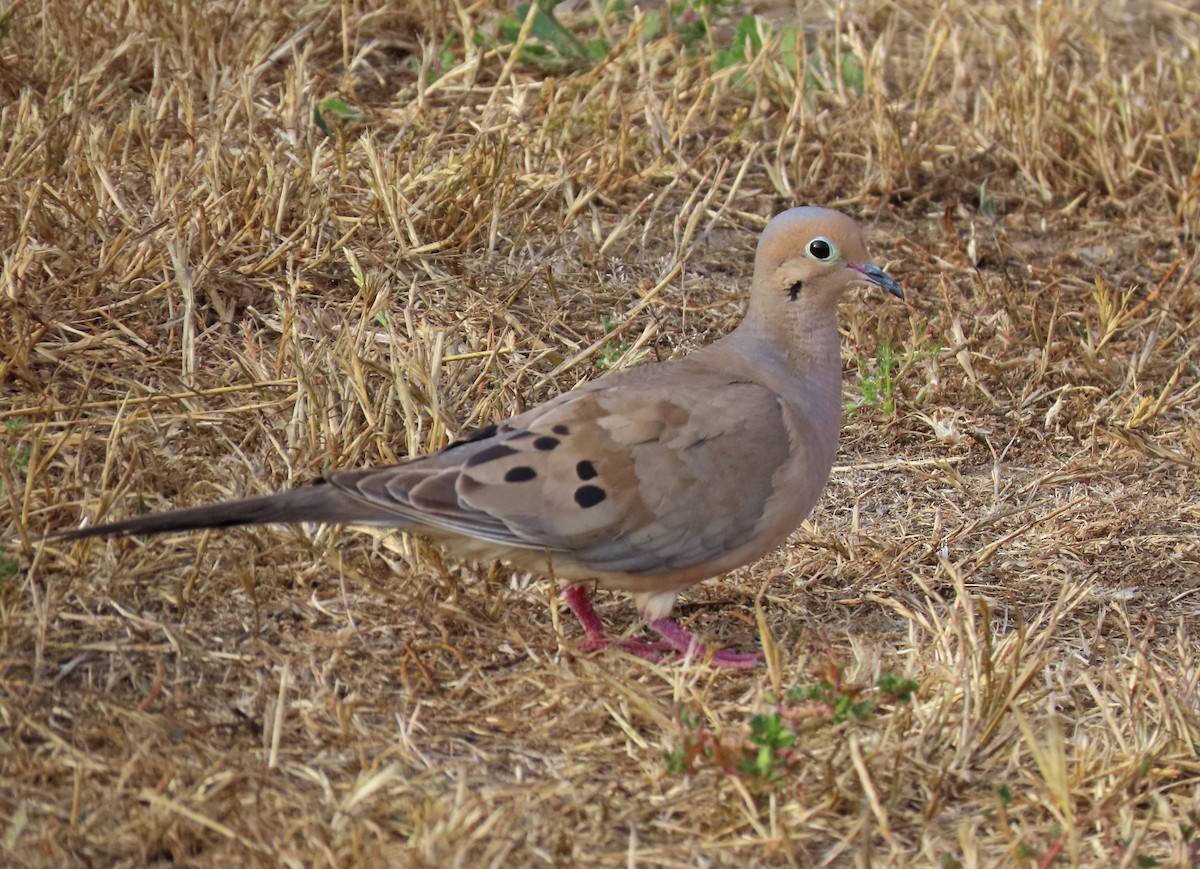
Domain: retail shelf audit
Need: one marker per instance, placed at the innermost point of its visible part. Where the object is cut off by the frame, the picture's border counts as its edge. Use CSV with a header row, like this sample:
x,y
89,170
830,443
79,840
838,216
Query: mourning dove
x,y
647,480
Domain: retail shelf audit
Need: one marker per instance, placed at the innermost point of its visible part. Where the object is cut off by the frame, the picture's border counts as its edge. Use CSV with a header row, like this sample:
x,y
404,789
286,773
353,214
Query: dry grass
x,y
203,295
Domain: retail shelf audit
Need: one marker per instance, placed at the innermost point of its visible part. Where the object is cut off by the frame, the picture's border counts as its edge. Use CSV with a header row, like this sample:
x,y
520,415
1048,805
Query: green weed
x,y
764,752
550,45
17,455
877,380
334,114
612,352
9,566
17,460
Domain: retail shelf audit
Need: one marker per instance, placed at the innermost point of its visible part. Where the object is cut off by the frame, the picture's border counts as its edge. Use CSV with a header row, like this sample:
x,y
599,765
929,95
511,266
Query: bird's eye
x,y
822,249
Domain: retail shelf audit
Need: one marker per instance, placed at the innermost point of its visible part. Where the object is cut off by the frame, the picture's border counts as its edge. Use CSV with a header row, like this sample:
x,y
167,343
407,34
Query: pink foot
x,y
674,637
683,642
647,651
580,602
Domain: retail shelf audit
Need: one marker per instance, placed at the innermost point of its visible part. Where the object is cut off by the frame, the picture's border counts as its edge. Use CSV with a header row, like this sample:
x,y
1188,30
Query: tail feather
x,y
317,503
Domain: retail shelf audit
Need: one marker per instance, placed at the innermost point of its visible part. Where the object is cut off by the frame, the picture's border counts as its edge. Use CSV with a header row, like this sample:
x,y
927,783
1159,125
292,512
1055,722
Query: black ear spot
x,y
794,290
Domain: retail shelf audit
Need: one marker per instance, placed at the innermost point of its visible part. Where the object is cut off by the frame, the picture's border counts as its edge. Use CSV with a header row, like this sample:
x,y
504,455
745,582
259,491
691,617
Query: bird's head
x,y
806,259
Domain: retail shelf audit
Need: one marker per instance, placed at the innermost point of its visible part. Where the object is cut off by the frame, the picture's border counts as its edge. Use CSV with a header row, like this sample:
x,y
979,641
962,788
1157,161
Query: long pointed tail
x,y
316,503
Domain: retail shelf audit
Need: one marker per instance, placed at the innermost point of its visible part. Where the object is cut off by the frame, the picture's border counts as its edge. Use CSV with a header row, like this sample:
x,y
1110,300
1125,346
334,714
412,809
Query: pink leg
x,y
580,602
671,631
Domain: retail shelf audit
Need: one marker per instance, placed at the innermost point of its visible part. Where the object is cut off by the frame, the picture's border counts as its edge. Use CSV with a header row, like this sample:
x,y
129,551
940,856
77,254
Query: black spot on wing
x,y
520,474
504,430
561,429
480,434
589,496
545,442
586,470
490,454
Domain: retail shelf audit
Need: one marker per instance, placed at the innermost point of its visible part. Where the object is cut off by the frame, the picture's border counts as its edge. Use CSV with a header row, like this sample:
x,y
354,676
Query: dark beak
x,y
875,275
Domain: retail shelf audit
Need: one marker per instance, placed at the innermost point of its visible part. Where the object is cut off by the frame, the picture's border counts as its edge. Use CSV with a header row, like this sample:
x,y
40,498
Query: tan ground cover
x,y
204,294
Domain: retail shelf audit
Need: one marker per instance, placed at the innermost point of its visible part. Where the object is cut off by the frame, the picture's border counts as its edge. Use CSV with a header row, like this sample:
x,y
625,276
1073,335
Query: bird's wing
x,y
635,475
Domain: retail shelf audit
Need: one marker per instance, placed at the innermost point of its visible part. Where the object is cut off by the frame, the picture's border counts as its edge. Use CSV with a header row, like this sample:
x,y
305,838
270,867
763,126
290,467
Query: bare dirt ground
x,y
241,243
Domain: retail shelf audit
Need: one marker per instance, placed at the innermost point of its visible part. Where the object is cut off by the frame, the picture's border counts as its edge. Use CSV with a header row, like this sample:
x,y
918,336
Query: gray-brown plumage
x,y
647,480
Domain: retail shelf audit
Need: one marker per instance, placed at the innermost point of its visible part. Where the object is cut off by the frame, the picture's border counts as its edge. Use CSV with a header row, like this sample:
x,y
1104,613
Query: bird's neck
x,y
797,356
